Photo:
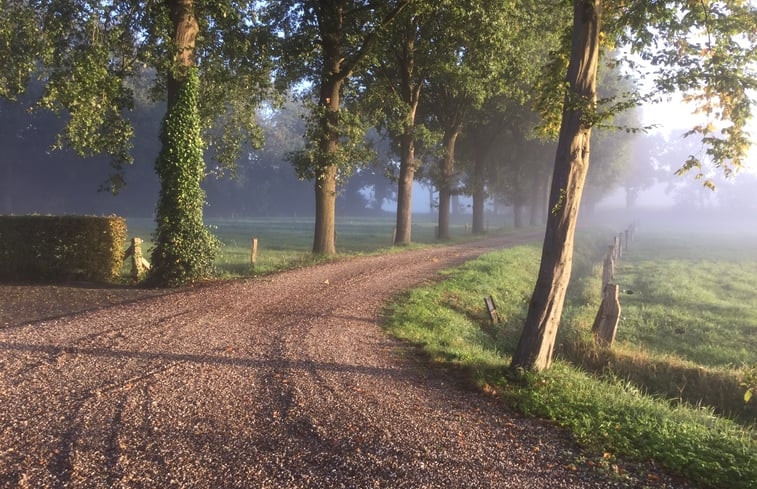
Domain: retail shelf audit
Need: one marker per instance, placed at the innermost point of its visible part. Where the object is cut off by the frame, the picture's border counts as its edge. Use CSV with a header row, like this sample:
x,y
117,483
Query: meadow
x,y
668,391
287,242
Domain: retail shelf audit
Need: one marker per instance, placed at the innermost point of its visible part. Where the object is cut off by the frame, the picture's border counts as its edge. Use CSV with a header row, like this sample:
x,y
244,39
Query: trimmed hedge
x,y
55,248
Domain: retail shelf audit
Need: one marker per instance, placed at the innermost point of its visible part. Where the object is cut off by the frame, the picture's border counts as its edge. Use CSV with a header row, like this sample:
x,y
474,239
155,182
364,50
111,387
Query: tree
x,y
20,46
90,52
394,82
706,50
505,159
325,43
501,57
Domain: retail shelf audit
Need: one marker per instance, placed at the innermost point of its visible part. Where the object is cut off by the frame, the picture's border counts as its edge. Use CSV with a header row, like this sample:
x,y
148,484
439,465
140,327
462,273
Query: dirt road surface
x,y
285,381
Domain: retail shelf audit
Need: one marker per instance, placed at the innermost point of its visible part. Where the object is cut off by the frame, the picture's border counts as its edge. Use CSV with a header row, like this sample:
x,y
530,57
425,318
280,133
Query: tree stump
x,y
608,316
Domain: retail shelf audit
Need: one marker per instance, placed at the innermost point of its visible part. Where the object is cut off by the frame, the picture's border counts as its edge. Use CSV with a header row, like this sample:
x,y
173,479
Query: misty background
x,y
631,172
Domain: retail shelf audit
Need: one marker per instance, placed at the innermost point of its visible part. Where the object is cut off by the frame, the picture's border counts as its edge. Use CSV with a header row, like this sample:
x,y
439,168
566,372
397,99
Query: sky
x,y
675,115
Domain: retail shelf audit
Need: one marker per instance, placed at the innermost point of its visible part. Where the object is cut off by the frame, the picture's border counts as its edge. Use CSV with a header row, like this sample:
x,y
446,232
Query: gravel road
x,y
285,381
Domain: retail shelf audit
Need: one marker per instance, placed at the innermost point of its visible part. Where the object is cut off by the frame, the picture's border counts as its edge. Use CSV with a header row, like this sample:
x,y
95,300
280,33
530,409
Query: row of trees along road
x,y
426,72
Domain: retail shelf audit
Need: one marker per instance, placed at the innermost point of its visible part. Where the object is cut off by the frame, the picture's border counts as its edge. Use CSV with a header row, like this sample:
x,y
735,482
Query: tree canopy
x,y
424,68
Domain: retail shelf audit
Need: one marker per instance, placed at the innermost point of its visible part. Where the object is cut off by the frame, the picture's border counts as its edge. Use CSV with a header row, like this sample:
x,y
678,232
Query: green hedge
x,y
55,248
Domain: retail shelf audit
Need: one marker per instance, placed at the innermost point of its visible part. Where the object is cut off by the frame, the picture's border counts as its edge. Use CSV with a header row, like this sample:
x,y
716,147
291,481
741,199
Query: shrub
x,y
55,248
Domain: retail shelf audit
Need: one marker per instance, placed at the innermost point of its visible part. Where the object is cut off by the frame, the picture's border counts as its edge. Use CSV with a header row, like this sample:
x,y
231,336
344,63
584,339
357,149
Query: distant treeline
x,y
38,179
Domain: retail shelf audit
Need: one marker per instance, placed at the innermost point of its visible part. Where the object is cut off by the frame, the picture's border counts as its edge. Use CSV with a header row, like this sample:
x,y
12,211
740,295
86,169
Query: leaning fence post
x,y
608,316
620,245
608,267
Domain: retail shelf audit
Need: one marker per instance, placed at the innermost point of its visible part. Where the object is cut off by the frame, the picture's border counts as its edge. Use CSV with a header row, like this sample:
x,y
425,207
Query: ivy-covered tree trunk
x,y
447,167
535,347
184,248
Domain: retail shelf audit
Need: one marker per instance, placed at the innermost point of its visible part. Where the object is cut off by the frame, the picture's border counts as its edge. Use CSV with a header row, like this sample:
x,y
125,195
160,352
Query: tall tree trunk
x,y
325,203
184,249
330,19
518,211
479,199
447,167
535,347
324,241
479,195
431,200
411,92
445,196
535,205
405,190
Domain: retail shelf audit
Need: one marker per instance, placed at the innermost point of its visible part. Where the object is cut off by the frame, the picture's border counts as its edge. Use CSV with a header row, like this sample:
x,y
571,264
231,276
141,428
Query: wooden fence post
x,y
608,316
620,245
254,252
608,267
625,241
139,266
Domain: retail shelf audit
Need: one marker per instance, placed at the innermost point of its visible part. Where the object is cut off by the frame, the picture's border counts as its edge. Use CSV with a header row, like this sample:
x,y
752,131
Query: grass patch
x,y
692,298
286,243
605,413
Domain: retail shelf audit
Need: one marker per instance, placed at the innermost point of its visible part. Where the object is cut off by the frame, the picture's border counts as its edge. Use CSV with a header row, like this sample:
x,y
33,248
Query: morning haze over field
x,y
238,240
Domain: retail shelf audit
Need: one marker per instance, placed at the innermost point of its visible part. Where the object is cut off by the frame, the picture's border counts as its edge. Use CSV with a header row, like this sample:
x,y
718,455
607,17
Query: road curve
x,y
285,381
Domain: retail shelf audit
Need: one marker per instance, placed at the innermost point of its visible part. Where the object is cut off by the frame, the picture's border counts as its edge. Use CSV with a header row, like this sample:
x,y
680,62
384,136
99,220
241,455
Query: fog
x,y
632,176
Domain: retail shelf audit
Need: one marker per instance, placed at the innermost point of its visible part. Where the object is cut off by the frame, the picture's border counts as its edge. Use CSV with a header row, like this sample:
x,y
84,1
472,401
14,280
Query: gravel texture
x,y
285,381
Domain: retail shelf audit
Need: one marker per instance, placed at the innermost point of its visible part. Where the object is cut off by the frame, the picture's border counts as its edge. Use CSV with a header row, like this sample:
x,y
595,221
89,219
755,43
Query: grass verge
x,y
605,414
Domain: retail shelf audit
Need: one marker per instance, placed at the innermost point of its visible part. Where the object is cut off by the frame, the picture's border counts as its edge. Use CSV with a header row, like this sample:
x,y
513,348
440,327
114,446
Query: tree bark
x,y
447,167
185,33
405,190
536,200
324,241
535,347
518,212
332,78
411,95
479,196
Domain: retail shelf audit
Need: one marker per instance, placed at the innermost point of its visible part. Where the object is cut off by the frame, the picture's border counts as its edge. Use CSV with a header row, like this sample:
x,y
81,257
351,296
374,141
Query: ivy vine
x,y
184,248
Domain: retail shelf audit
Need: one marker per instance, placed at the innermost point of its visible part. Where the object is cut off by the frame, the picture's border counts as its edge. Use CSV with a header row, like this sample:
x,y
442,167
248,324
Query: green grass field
x,y
286,242
694,297
621,405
